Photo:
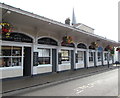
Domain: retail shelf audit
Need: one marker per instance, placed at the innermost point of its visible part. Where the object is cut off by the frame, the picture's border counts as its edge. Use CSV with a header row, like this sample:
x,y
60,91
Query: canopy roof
x,y
36,22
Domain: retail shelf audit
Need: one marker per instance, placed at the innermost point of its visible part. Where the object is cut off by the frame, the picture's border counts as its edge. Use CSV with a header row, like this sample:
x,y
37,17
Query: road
x,y
103,84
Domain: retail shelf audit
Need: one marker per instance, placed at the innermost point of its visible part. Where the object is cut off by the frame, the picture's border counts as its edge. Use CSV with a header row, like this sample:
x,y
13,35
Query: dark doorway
x,y
27,61
72,59
85,63
54,60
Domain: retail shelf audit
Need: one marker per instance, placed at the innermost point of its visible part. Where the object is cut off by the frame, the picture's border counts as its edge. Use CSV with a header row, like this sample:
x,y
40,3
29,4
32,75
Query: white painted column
x,y
75,50
58,50
108,56
87,58
96,57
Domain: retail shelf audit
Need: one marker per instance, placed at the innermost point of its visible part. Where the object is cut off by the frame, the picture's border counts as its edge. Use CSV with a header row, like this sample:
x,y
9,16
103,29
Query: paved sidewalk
x,y
27,83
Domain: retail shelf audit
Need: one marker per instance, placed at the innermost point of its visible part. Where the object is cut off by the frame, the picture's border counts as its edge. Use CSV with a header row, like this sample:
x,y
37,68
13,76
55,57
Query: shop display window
x,y
44,56
99,56
110,57
80,56
10,56
91,56
105,56
65,55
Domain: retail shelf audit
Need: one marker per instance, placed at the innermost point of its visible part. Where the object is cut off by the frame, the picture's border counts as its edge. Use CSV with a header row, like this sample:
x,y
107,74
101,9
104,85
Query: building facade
x,y
37,45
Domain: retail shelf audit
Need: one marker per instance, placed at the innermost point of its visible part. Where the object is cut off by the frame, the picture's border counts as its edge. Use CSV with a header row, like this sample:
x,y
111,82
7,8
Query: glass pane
x,y
99,56
44,60
91,56
105,56
81,56
5,62
65,55
9,62
16,51
16,61
6,50
44,53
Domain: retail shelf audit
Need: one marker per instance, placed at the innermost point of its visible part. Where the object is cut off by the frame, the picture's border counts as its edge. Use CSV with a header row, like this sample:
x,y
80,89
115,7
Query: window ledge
x,y
15,67
43,65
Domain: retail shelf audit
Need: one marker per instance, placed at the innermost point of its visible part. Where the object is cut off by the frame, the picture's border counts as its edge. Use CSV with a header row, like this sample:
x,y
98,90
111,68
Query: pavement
x,y
11,86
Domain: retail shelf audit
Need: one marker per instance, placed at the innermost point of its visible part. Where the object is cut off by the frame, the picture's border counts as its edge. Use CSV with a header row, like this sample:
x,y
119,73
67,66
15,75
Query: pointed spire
x,y
73,18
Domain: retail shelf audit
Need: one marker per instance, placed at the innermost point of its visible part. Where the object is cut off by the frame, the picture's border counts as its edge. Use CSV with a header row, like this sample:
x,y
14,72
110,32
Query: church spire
x,y
73,18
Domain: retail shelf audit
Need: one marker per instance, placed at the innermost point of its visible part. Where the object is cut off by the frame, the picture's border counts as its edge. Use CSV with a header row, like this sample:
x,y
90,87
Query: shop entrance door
x,y
27,61
85,59
54,60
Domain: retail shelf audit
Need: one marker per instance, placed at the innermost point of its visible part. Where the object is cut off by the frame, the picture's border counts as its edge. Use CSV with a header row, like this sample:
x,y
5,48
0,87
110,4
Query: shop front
x,y
45,56
92,57
40,45
66,57
105,58
15,55
99,56
81,56
111,58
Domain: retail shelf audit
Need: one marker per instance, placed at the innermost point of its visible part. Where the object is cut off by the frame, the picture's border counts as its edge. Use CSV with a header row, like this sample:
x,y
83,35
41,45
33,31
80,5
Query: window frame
x,y
11,57
91,56
99,56
50,56
69,56
82,56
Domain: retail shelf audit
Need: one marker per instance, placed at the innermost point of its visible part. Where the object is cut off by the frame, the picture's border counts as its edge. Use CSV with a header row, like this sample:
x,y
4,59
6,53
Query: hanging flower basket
x,y
111,49
6,28
118,49
67,40
108,47
94,45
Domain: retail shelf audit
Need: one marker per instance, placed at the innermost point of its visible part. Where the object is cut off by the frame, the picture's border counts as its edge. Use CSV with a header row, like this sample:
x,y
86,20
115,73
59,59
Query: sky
x,y
102,15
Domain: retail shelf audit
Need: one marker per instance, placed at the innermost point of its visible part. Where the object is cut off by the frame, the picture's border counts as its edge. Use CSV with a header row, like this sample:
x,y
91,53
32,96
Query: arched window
x,y
47,41
81,45
17,37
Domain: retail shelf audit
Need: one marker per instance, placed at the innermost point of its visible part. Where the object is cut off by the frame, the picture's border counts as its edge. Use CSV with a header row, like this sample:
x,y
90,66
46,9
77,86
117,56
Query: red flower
x,y
118,49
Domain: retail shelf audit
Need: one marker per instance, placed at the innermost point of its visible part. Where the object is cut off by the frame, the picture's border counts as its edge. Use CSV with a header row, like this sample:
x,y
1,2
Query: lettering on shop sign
x,y
17,37
68,45
47,41
76,56
35,58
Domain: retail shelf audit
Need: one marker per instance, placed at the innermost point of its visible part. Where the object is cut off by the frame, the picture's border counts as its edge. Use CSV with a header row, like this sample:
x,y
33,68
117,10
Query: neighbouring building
x,y
33,45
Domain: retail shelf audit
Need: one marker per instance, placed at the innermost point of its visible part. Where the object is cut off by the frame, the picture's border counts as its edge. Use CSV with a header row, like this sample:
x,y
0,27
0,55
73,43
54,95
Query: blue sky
x,y
102,15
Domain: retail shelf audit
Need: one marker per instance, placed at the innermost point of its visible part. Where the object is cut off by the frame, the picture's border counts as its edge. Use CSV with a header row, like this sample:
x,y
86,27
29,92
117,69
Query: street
x,y
103,84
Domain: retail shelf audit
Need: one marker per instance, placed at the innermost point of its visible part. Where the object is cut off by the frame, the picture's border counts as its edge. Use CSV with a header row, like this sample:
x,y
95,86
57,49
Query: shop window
x,y
91,56
10,56
105,56
44,56
65,55
110,57
80,56
99,56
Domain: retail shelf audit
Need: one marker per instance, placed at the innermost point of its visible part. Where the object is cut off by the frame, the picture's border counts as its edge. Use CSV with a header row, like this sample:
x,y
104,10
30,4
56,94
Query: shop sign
x,y
17,37
47,41
81,45
35,58
67,45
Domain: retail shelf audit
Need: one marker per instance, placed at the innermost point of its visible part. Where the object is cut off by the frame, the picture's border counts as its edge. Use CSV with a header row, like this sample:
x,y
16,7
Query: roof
x,y
78,24
32,15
